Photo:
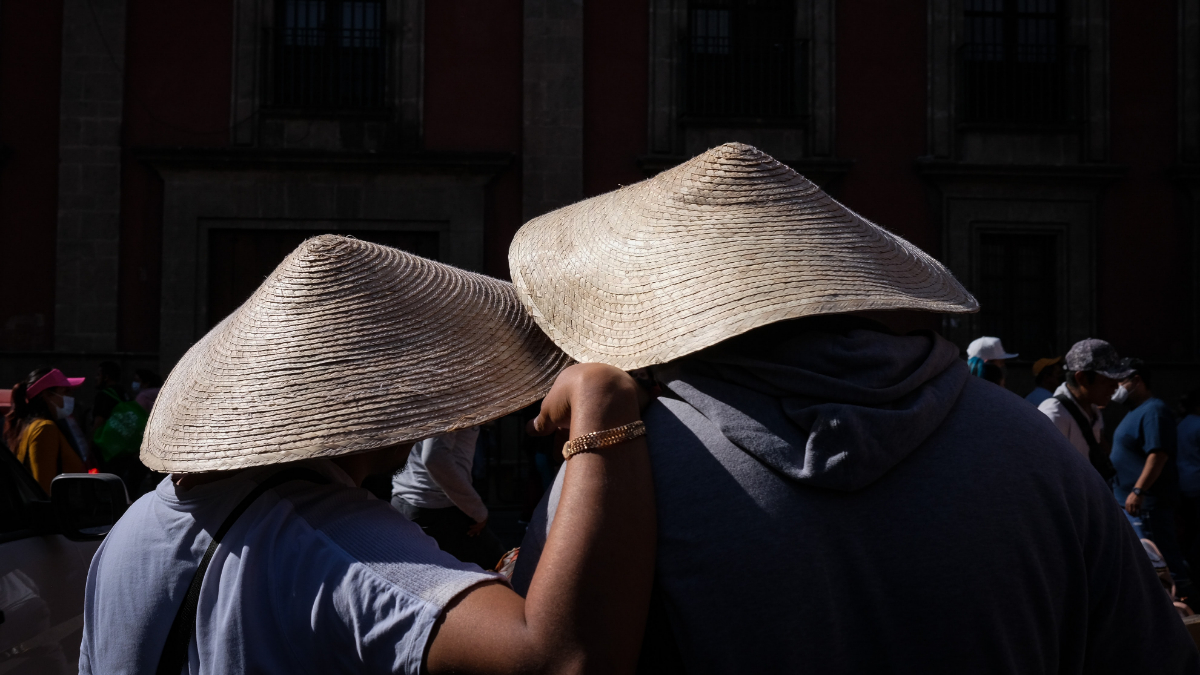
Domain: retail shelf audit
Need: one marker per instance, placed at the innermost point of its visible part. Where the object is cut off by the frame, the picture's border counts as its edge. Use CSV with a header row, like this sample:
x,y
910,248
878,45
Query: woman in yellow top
x,y
40,447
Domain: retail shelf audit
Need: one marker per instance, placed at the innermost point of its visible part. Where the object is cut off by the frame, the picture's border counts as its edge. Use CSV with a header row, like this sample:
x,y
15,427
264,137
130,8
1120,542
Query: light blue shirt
x,y
1038,395
311,579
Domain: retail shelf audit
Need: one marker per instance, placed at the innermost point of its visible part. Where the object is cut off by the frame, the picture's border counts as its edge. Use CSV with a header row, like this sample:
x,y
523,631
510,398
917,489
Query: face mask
x,y
1120,395
68,407
135,386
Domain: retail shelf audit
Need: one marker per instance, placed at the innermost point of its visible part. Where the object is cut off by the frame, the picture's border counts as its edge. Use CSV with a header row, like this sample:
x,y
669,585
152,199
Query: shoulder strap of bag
x,y
112,393
1096,455
183,629
1084,425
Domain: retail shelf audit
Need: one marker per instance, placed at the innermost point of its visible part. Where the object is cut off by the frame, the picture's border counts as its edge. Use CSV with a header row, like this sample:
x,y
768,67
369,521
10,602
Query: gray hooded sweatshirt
x,y
832,498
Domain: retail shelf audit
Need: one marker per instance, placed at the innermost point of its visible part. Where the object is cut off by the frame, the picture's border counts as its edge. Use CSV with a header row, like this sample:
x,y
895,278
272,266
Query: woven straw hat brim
x,y
724,243
348,346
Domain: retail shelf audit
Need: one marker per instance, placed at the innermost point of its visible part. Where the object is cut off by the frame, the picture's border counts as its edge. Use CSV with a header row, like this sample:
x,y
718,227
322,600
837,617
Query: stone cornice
x,y
944,171
472,163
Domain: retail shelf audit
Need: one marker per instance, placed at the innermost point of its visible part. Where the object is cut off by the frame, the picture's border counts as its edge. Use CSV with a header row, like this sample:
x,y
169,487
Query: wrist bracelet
x,y
603,439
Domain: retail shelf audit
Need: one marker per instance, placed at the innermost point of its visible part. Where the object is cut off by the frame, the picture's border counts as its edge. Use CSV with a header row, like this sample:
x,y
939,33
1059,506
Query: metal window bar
x,y
1022,85
727,77
322,64
1018,291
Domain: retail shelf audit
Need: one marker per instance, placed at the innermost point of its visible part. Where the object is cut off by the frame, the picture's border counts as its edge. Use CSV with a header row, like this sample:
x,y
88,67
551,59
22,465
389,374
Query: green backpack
x,y
122,431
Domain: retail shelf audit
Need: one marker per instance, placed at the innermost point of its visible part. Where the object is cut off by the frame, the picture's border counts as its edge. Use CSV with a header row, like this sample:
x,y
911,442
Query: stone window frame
x,y
1052,201
253,189
1064,284
669,21
405,22
1087,26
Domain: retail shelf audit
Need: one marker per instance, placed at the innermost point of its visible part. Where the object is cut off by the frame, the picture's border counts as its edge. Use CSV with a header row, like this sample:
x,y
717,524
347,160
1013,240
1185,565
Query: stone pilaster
x,y
89,175
552,150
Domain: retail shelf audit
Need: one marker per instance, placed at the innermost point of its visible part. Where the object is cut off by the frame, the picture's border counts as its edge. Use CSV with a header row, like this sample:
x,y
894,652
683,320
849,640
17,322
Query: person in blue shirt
x,y
1188,462
1047,375
1147,480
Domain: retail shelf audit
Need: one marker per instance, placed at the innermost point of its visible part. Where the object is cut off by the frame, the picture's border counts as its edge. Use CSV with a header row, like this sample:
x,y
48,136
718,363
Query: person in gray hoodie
x,y
832,496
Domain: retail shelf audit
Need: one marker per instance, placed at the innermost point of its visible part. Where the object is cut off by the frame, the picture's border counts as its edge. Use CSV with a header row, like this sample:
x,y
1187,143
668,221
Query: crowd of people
x,y
1146,450
43,427
787,483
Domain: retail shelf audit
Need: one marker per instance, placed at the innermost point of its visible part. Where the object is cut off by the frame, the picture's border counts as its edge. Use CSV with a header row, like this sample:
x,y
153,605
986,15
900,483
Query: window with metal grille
x,y
1018,291
741,60
329,55
1014,65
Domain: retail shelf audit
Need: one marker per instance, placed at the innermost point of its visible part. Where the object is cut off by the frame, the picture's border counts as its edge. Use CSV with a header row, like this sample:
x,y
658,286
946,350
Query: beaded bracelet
x,y
602,439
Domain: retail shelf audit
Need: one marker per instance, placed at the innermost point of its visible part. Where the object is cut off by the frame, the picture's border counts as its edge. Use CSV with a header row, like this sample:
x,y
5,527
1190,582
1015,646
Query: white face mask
x,y
135,386
68,407
1120,395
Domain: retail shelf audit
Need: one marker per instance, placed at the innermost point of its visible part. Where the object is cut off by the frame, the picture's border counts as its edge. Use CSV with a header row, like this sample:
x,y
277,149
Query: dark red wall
x,y
1143,254
615,96
30,54
177,87
880,84
473,99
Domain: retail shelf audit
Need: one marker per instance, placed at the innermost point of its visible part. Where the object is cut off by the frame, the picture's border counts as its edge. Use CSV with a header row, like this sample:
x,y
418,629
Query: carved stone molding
x,y
306,190
972,200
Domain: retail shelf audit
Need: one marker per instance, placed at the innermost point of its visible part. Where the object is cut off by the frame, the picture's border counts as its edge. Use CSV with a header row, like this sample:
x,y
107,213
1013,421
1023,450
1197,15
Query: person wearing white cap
x,y
260,554
831,496
989,349
986,357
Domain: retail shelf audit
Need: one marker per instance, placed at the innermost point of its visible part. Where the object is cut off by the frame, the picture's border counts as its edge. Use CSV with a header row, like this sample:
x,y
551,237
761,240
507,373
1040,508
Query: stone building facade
x,y
158,159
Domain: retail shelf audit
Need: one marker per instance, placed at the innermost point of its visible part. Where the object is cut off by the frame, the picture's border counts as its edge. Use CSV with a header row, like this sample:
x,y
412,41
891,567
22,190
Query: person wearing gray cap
x,y
1093,371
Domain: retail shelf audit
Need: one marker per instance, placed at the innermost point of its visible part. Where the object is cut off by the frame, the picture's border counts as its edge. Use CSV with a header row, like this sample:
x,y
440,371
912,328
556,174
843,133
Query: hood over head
x,y
832,402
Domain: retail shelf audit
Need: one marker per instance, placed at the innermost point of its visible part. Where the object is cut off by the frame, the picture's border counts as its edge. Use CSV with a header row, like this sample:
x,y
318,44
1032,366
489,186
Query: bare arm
x,y
587,603
1153,468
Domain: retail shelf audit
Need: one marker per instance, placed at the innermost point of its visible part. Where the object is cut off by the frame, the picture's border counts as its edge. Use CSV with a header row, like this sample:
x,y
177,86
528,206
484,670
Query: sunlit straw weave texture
x,y
726,242
348,346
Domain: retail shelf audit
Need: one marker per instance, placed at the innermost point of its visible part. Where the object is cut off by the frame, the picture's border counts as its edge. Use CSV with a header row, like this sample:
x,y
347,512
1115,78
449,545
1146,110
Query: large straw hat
x,y
348,346
724,243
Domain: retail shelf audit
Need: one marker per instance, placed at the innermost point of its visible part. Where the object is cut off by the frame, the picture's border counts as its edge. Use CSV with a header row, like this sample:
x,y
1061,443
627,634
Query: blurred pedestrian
x,y
120,424
989,349
1047,376
145,387
1187,461
434,491
108,393
986,370
1163,572
1147,480
1092,373
41,446
986,358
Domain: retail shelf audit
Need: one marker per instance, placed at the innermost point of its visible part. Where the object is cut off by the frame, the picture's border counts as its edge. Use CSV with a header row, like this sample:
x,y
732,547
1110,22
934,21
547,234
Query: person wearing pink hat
x,y
30,429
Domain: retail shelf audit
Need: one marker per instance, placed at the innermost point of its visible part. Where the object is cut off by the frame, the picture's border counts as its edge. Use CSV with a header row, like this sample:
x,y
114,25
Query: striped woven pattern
x,y
726,242
348,346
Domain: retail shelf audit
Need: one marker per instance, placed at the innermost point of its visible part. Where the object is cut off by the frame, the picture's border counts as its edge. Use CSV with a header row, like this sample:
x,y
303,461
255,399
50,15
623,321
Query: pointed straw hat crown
x,y
348,346
724,243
